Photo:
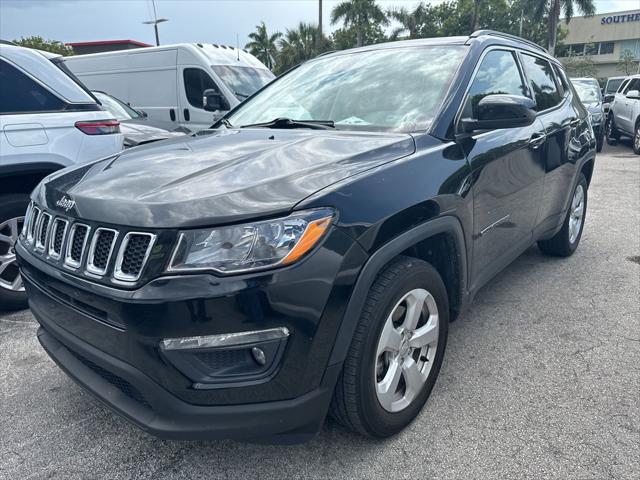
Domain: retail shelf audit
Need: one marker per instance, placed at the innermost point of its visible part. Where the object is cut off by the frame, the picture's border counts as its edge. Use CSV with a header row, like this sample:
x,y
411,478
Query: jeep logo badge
x,y
66,203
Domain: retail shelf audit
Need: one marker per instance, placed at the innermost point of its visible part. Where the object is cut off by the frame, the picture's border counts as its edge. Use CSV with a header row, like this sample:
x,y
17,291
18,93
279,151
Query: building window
x,y
562,51
606,48
591,49
577,49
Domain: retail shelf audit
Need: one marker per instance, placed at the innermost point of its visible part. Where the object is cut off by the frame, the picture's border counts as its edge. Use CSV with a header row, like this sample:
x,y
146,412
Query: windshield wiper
x,y
290,123
240,94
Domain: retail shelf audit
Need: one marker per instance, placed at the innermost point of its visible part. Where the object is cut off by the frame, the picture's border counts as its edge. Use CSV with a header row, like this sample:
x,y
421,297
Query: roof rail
x,y
495,33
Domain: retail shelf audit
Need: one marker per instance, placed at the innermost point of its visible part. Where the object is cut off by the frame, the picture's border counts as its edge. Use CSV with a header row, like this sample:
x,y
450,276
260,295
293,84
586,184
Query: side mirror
x,y
142,113
609,98
213,101
501,111
633,94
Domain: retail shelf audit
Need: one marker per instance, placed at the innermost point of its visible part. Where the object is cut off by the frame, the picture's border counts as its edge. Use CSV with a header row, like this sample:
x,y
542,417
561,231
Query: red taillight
x,y
99,127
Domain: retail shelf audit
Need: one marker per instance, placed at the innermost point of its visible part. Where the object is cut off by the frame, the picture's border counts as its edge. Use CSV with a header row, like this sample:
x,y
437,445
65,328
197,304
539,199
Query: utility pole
x,y
521,19
155,22
319,23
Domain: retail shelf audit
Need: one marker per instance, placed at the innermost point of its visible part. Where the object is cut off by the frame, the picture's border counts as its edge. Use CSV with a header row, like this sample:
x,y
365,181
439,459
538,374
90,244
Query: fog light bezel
x,y
185,354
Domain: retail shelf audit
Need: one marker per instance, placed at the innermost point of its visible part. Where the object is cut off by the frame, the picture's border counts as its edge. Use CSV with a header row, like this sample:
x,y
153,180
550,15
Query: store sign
x,y
627,17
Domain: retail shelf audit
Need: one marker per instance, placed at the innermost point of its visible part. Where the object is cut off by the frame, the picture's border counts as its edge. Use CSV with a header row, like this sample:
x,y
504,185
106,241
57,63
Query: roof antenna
x,y
238,45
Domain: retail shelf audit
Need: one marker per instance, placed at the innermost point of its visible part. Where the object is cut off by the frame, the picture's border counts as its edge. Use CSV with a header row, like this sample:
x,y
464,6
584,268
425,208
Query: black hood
x,y
220,177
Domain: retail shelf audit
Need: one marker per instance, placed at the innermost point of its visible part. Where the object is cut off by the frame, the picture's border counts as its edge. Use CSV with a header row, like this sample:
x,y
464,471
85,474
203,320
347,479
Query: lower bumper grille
x,y
118,382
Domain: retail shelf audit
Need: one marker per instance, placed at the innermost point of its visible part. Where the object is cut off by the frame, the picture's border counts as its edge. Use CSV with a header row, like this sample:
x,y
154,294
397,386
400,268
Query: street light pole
x,y
155,22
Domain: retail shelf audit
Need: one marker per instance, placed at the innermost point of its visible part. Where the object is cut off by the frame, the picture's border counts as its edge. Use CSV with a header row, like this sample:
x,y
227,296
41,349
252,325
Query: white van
x,y
168,82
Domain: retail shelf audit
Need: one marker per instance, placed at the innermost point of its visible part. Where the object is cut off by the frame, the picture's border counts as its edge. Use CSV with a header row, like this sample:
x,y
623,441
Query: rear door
x,y
507,171
568,133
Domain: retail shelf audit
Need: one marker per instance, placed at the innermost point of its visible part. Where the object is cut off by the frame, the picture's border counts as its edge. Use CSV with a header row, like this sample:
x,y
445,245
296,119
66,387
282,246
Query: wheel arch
x,y
425,242
587,170
24,178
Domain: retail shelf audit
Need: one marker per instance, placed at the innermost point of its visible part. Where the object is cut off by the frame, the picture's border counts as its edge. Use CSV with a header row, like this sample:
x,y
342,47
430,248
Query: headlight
x,y
251,246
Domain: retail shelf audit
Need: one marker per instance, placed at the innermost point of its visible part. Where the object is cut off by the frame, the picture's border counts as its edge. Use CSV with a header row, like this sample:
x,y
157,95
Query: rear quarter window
x,y
21,94
540,75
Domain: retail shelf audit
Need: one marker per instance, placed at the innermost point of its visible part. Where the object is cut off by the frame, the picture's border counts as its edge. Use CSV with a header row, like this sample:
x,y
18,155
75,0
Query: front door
x,y
193,82
507,171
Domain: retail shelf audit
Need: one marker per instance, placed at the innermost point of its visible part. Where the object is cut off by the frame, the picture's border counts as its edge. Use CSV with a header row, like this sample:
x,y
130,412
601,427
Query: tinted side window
x,y
20,94
196,81
498,73
543,85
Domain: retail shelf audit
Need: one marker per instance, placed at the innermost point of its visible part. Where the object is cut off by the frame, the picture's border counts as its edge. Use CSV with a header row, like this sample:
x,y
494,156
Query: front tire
x,y
612,133
396,351
566,241
12,209
600,139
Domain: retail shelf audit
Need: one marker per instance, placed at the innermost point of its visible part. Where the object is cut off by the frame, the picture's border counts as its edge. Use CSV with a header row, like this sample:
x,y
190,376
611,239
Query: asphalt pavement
x,y
541,379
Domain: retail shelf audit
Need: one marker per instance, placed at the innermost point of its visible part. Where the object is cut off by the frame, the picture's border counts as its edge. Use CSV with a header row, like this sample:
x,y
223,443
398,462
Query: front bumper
x,y
109,339
134,395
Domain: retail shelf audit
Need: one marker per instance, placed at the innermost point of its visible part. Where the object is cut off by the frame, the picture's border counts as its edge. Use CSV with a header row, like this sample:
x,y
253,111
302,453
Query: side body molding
x,y
377,261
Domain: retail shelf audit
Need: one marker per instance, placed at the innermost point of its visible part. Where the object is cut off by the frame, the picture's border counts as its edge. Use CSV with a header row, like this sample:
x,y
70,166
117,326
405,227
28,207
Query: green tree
x,y
552,9
263,46
359,14
39,43
628,63
411,21
580,66
300,44
343,38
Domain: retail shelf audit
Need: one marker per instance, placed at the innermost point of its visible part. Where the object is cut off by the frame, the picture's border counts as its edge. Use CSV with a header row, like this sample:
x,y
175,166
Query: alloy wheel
x,y
406,350
10,278
636,140
577,214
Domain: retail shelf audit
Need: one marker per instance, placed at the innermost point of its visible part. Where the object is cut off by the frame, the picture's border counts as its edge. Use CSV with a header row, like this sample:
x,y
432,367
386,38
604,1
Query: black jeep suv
x,y
307,254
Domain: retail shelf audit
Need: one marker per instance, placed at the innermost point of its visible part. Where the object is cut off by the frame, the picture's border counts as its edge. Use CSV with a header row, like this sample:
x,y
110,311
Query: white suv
x,y
624,113
48,121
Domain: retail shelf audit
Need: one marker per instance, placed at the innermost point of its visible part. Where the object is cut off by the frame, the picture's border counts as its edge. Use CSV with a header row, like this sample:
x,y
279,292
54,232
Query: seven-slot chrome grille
x,y
79,247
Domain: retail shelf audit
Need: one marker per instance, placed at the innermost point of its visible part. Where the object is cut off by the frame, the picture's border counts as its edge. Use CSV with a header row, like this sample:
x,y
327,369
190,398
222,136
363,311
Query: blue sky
x,y
210,21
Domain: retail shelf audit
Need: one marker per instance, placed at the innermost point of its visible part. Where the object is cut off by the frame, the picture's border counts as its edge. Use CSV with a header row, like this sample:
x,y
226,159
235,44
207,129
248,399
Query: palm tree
x,y
358,13
263,46
474,17
300,44
554,8
410,21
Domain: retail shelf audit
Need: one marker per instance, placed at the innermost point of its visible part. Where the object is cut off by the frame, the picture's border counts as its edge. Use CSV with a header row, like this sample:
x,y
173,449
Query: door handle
x,y
537,140
187,115
575,122
172,114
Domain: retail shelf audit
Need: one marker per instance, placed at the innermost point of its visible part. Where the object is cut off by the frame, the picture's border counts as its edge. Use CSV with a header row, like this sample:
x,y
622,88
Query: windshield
x,y
589,92
243,81
115,107
612,85
388,89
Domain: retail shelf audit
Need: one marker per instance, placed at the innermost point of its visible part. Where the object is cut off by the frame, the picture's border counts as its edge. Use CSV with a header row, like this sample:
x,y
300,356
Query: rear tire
x,y
383,388
12,210
612,133
566,241
600,139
